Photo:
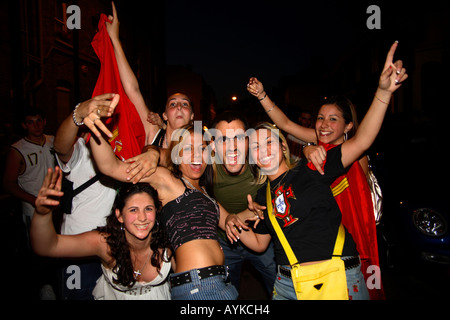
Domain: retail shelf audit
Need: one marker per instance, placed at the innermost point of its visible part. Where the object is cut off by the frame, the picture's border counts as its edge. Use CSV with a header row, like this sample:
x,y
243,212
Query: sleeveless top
x,y
191,216
159,138
157,289
37,158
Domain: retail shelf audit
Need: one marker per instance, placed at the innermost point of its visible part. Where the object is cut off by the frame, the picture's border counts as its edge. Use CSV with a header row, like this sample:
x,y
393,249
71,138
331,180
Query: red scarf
x,y
125,124
352,194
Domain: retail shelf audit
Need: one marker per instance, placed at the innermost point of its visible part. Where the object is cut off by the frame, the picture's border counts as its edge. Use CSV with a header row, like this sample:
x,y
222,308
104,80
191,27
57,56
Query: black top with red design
x,y
306,211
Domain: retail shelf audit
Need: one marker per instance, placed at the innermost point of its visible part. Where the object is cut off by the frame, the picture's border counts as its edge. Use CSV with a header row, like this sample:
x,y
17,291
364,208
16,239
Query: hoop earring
x,y
345,136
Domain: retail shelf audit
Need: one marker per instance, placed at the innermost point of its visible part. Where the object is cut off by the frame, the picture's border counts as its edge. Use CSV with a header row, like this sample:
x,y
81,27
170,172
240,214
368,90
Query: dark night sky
x,y
229,41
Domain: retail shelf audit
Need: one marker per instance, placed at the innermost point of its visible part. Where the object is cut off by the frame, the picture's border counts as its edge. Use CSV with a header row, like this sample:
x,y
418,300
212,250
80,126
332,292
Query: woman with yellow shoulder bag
x,y
316,256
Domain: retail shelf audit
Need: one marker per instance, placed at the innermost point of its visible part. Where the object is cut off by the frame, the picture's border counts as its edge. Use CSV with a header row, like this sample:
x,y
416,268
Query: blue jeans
x,y
212,288
356,286
264,263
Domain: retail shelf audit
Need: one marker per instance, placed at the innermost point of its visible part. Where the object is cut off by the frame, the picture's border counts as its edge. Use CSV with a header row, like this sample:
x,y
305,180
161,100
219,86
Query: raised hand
x,y
113,27
393,73
47,198
97,107
255,87
155,118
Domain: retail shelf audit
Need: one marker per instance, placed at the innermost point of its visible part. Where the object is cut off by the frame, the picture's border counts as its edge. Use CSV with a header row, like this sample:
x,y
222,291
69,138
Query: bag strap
x,y
87,184
338,246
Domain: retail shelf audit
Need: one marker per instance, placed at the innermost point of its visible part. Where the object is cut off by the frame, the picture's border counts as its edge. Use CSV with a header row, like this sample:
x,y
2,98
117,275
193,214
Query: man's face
x,y
34,125
232,146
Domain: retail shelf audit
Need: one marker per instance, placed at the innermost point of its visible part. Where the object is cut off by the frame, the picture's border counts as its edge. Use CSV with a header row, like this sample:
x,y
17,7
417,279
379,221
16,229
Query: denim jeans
x,y
356,286
264,263
212,288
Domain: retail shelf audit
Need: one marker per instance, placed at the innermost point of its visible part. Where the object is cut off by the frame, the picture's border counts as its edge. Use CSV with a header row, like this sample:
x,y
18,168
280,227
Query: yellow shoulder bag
x,y
320,281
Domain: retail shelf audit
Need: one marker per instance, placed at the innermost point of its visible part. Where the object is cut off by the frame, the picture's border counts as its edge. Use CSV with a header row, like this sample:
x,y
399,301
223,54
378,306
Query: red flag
x,y
352,194
125,124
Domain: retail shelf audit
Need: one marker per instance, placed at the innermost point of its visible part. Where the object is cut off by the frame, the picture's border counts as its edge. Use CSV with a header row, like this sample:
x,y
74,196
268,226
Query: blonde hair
x,y
259,177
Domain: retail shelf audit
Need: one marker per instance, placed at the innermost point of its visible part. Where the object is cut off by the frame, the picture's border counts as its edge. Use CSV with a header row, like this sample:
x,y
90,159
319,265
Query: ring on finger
x,y
98,111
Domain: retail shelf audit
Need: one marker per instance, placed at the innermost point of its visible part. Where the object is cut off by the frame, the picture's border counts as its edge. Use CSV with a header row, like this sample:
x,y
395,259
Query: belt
x,y
203,273
350,263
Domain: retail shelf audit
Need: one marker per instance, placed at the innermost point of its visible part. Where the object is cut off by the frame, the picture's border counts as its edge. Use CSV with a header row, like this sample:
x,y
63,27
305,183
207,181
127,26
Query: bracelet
x,y
271,108
309,144
74,116
265,95
387,103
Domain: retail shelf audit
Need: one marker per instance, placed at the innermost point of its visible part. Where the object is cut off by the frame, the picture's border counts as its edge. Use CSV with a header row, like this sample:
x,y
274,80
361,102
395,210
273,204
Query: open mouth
x,y
232,158
142,226
266,160
196,166
325,133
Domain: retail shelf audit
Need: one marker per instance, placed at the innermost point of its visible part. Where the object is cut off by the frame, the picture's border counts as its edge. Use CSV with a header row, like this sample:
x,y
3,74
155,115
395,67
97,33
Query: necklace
x,y
279,182
204,191
138,273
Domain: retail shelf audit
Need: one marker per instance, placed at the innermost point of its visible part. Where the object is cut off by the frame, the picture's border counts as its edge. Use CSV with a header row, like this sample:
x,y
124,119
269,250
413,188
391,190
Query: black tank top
x,y
191,216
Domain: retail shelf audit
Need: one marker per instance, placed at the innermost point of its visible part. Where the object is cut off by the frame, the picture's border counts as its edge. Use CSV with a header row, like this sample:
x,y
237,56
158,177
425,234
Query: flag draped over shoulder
x,y
352,193
125,124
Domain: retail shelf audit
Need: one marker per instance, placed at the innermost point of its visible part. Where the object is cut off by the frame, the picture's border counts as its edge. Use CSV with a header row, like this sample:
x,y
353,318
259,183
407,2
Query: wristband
x,y
265,95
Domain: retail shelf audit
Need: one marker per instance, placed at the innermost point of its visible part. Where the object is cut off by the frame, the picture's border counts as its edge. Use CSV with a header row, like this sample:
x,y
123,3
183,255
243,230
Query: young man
x,y
27,162
233,181
26,166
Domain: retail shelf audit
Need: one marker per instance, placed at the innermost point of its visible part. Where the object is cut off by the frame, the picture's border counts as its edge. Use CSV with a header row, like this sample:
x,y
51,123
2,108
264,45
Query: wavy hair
x,y
116,240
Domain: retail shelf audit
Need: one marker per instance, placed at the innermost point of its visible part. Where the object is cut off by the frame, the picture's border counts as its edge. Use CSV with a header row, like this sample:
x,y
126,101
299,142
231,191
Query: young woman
x,y
336,123
303,202
190,215
178,111
132,250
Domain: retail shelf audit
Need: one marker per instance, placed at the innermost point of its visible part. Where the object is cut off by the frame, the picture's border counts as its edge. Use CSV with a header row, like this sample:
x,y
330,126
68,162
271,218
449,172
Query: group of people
x,y
177,221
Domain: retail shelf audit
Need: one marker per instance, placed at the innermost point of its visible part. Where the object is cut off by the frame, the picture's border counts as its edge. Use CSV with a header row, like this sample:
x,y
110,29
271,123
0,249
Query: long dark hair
x,y
115,236
179,135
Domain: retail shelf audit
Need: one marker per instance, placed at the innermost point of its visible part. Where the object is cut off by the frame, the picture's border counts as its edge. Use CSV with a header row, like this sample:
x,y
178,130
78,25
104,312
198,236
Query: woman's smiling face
x,y
266,150
138,215
330,125
192,151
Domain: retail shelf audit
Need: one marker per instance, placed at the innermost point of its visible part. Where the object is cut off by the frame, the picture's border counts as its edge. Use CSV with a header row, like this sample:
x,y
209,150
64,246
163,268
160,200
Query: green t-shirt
x,y
231,191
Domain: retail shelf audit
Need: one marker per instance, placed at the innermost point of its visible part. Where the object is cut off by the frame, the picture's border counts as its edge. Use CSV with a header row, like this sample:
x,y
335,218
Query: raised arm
x,y
44,239
256,88
390,80
127,76
107,162
68,130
